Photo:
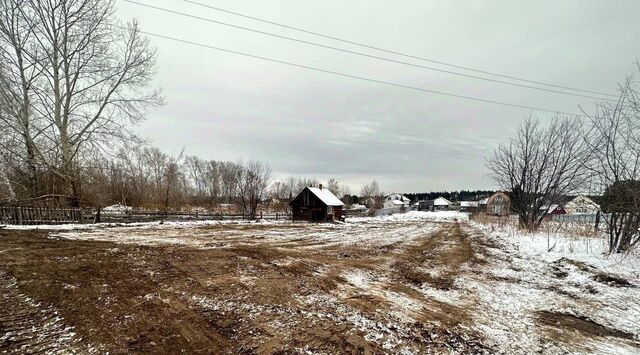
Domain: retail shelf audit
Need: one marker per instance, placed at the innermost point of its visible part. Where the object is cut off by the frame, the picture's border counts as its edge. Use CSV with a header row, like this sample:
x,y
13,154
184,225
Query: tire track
x,y
28,327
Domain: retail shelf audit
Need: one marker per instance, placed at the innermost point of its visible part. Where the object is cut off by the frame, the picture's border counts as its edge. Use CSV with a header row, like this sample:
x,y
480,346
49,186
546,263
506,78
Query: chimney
x,y
320,186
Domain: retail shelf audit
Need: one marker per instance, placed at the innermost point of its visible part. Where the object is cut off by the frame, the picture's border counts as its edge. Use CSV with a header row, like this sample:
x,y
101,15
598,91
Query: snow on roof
x,y
441,201
400,196
582,200
326,197
468,203
396,202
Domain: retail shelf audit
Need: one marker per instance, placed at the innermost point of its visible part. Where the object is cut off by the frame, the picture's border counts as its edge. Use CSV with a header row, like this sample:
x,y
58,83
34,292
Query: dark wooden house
x,y
315,204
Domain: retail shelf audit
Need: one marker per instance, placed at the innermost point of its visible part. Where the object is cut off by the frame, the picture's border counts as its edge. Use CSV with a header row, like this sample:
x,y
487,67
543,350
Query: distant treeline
x,y
453,196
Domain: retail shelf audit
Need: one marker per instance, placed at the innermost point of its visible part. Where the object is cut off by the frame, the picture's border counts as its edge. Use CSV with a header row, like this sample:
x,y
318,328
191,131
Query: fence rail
x,y
38,216
145,216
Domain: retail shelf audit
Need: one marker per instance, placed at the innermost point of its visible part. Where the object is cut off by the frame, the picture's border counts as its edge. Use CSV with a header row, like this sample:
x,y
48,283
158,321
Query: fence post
x,y
260,215
19,212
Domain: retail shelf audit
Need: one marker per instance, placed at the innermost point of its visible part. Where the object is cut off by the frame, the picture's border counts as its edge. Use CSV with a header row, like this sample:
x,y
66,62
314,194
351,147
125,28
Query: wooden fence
x,y
36,215
148,216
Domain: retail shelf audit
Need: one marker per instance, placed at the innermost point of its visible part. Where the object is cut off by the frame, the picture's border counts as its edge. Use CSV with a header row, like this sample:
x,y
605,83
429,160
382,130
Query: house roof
x,y
441,201
582,200
326,196
397,202
402,197
468,203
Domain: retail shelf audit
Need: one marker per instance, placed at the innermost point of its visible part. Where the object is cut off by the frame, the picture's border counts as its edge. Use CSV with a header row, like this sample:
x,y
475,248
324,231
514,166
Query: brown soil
x,y
580,324
611,280
250,294
241,299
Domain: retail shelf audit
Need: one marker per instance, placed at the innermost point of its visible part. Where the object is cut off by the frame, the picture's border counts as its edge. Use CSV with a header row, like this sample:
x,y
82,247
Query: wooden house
x,y
315,204
499,204
553,210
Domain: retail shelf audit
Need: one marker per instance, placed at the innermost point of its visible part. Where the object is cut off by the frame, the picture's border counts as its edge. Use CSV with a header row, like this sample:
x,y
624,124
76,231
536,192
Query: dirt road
x,y
362,288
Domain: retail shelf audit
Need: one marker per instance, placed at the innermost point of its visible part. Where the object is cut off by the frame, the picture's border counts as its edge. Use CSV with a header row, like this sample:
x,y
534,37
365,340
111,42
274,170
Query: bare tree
x,y
540,166
18,75
81,73
371,195
334,186
253,180
345,193
614,145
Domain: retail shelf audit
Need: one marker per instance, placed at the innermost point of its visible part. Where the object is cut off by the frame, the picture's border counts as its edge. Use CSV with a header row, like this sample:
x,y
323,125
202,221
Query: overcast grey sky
x,y
228,107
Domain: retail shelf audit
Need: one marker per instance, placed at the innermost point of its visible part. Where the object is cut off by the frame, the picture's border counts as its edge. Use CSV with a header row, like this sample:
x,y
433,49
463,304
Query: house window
x,y
329,209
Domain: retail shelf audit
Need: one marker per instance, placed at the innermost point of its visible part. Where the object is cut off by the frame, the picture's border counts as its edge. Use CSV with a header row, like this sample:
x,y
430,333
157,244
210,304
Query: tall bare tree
x,y
253,180
614,145
18,75
81,74
540,166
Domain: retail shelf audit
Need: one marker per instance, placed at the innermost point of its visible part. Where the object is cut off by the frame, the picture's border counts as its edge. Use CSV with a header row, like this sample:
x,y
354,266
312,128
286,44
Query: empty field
x,y
367,286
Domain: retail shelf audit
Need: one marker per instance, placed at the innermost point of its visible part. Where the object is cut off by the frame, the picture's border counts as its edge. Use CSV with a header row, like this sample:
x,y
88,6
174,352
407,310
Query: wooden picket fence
x,y
37,215
11,215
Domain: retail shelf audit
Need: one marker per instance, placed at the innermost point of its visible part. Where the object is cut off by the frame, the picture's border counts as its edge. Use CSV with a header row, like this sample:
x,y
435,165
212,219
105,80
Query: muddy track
x,y
29,327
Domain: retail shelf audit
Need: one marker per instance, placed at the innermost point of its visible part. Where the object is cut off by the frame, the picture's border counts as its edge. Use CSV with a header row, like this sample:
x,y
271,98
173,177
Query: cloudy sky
x,y
225,106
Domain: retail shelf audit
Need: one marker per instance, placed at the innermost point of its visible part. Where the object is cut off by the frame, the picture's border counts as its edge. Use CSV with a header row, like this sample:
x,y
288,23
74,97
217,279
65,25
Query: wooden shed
x,y
315,204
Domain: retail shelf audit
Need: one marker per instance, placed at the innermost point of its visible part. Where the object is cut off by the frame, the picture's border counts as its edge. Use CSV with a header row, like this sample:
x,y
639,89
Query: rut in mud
x,y
27,326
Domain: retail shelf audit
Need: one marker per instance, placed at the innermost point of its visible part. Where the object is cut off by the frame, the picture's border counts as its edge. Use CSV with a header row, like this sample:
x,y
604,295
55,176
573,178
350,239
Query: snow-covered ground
x,y
557,273
553,246
439,216
212,234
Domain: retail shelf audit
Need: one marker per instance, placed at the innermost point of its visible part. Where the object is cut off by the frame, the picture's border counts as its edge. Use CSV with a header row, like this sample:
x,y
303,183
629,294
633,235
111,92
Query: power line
x,y
361,53
396,52
351,76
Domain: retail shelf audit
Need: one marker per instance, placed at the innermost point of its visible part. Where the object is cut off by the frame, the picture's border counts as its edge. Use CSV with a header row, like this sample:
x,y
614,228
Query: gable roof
x,y
401,196
582,200
441,201
326,196
397,202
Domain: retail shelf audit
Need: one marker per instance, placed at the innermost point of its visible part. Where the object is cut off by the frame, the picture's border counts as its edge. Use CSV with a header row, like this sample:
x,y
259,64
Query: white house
x,y
395,204
398,197
581,205
441,203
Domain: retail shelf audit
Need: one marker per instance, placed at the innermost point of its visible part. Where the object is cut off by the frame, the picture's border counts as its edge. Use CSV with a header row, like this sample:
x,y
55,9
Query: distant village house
x,y
439,204
396,200
581,205
499,204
